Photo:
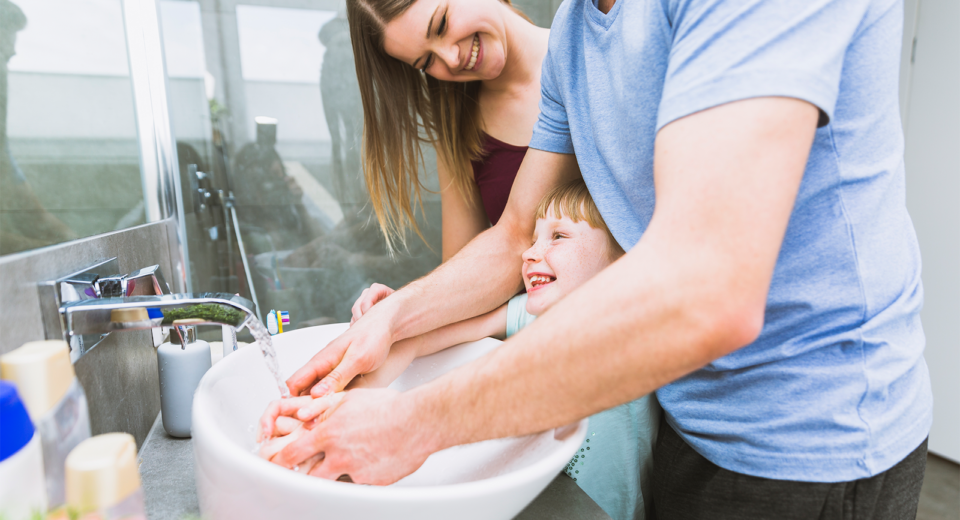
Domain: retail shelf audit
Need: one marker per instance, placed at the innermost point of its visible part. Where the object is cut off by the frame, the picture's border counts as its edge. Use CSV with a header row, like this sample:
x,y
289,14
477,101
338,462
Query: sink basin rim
x,y
209,437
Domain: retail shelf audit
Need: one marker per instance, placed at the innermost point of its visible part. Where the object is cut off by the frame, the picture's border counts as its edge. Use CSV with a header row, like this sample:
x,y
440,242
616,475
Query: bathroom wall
x,y
930,91
119,375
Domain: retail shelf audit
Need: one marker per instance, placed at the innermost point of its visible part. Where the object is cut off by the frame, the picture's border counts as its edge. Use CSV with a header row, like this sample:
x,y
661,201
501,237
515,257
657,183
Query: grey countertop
x,y
166,468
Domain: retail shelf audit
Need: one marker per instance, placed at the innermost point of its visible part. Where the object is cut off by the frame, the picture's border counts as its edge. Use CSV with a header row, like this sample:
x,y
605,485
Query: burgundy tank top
x,y
494,174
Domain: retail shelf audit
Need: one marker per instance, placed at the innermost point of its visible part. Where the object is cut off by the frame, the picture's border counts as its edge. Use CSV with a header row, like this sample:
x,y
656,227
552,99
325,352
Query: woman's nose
x,y
450,55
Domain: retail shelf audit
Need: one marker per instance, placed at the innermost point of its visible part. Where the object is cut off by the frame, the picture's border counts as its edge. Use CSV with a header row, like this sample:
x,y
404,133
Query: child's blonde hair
x,y
573,200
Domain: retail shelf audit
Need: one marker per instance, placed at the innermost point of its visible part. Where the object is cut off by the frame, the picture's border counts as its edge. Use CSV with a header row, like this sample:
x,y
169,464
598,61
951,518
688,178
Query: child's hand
x,y
270,423
278,428
283,416
319,409
270,448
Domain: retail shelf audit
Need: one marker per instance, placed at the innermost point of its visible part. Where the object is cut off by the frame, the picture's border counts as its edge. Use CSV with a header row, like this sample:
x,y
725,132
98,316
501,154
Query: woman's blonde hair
x,y
403,108
573,200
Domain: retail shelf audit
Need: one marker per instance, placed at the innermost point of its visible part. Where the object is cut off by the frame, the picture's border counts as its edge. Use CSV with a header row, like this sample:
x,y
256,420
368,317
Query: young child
x,y
571,243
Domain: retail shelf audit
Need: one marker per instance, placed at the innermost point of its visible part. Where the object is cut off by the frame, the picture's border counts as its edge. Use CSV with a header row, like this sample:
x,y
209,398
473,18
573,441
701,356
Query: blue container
x,y
16,430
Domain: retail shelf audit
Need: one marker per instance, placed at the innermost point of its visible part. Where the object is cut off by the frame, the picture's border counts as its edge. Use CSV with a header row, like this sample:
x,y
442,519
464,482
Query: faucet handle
x,y
148,281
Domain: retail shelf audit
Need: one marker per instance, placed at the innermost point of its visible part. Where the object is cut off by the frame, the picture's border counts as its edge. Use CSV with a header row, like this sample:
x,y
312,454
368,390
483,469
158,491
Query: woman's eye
x,y
443,25
427,63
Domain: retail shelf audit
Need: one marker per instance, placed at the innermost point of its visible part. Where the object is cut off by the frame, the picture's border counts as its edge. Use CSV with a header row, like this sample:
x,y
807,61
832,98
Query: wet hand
x,y
371,435
275,419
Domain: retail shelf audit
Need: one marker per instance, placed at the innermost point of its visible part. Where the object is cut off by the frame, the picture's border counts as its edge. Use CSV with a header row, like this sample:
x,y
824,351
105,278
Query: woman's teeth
x,y
539,280
473,55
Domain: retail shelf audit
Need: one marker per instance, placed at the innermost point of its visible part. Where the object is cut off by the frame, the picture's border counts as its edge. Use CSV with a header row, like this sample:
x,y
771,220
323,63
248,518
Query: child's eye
x,y
558,235
443,25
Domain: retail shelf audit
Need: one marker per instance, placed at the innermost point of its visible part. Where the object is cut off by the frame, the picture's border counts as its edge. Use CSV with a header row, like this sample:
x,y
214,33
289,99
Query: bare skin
x,y
564,255
512,50
692,290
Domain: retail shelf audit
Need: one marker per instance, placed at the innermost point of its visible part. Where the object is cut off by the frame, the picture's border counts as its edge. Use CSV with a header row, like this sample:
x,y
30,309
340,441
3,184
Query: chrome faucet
x,y
104,315
84,306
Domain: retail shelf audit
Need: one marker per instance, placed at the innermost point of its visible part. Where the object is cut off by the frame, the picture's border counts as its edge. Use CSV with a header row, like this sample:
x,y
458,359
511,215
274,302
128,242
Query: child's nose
x,y
531,255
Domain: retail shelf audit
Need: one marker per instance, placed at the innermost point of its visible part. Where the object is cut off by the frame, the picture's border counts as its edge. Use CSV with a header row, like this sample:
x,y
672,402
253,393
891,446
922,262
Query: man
x,y
772,296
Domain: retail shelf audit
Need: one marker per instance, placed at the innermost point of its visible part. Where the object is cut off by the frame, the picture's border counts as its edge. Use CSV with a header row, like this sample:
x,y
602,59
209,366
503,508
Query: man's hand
x,y
371,452
368,298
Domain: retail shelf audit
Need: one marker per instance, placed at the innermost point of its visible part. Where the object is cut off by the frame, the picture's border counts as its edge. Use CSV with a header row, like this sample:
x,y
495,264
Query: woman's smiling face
x,y
452,40
564,255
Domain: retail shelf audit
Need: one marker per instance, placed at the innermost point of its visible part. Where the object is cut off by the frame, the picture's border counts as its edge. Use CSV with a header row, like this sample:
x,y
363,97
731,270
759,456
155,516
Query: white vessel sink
x,y
487,480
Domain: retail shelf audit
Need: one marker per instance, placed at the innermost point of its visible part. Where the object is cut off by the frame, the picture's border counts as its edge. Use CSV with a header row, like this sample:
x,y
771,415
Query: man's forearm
x,y
599,347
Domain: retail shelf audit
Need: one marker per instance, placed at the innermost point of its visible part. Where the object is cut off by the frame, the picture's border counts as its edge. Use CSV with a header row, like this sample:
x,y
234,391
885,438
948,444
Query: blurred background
x,y
260,103
263,105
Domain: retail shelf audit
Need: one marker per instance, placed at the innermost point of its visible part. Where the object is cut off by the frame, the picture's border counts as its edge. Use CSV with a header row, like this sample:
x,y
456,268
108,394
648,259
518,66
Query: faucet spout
x,y
104,315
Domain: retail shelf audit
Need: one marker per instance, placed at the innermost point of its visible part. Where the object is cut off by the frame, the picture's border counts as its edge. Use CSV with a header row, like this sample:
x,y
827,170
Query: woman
x,y
462,75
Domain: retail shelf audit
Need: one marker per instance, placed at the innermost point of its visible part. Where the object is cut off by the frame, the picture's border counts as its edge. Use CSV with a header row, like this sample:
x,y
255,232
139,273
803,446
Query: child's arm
x,y
402,353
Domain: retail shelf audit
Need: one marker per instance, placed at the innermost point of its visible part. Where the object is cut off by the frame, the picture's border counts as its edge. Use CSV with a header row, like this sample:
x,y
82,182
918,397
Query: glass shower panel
x,y
69,155
266,111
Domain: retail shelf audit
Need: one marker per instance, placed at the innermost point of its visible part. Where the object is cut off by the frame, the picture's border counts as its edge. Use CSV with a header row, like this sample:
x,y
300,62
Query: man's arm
x,y
692,290
482,276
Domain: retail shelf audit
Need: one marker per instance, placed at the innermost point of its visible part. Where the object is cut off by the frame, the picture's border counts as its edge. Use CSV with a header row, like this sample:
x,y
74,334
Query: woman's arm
x,y
462,219
402,353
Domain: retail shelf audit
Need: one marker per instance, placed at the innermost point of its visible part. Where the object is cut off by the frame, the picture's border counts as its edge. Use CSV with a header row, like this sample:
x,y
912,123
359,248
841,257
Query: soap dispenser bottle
x,y
182,362
45,379
22,488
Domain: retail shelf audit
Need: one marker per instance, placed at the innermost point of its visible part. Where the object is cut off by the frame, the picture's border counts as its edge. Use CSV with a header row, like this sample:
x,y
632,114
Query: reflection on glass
x,y
69,159
264,101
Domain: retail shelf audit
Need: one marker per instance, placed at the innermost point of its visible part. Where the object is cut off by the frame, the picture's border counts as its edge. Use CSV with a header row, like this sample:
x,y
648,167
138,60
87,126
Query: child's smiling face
x,y
564,255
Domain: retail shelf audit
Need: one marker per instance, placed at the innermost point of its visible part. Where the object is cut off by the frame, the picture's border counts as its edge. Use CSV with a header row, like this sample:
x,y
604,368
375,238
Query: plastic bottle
x,y
102,479
272,325
22,489
55,401
181,367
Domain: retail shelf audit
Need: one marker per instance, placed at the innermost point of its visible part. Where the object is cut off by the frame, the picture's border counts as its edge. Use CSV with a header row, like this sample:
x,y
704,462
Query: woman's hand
x,y
368,298
361,349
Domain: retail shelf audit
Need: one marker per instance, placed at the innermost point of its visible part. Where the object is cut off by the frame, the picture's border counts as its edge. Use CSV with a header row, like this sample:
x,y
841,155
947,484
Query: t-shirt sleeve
x,y
517,315
726,51
552,131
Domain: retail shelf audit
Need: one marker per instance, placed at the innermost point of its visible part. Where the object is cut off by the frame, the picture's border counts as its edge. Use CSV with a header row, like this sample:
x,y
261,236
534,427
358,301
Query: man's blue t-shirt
x,y
835,388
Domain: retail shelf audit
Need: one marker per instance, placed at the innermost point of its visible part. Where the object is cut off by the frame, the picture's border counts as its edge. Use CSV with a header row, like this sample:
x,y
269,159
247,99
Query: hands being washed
x,y
325,416
287,420
316,445
295,432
